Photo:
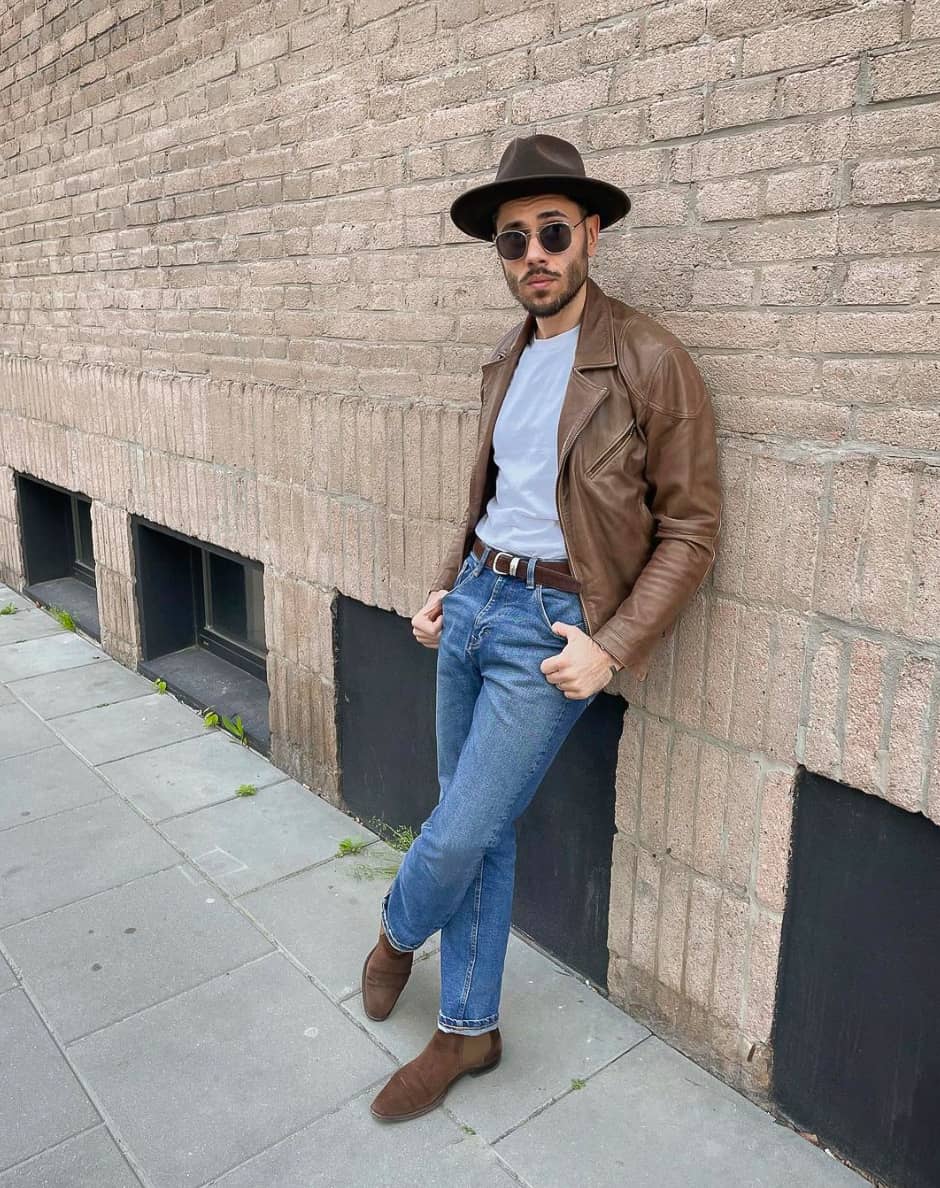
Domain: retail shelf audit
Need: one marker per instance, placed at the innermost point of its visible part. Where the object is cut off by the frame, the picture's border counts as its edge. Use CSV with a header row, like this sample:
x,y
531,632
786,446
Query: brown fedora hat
x,y
537,164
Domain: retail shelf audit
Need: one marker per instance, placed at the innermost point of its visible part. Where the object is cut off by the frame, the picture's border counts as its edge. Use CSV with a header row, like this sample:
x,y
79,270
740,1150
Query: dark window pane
x,y
83,546
235,605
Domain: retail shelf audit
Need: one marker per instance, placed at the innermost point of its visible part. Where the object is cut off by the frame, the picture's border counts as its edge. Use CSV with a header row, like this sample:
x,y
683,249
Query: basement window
x,y
57,549
202,624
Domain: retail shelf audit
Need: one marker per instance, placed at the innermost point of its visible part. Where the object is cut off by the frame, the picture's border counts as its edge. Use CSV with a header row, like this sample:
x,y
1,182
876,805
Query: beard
x,y
541,305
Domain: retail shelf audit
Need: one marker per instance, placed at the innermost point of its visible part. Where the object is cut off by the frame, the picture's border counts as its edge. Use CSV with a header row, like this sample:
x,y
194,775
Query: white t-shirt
x,y
522,517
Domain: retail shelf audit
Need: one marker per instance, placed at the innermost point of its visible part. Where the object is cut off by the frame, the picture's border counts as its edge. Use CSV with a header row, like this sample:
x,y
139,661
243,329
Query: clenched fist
x,y
429,620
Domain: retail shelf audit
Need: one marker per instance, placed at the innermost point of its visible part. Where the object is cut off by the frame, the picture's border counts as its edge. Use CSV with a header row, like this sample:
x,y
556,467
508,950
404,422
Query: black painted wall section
x,y
857,1030
387,754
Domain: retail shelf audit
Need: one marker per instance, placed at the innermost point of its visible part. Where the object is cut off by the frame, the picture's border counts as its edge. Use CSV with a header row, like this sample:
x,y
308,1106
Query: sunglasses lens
x,y
511,245
555,237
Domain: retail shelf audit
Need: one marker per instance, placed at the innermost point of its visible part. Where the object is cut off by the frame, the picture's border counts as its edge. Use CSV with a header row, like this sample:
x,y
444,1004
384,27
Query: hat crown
x,y
529,156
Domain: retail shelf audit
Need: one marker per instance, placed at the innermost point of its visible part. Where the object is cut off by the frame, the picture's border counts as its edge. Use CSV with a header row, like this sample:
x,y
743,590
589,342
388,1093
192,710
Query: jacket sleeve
x,y
676,416
453,558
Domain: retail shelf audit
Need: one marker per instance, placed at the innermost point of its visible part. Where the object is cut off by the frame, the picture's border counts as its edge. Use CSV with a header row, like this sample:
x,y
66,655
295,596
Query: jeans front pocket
x,y
559,606
462,573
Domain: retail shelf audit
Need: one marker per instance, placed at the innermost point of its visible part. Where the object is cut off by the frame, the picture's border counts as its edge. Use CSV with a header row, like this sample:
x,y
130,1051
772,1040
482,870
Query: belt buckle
x,y
511,572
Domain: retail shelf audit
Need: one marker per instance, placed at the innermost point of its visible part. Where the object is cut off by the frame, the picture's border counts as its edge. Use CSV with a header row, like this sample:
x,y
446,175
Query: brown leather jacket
x,y
637,491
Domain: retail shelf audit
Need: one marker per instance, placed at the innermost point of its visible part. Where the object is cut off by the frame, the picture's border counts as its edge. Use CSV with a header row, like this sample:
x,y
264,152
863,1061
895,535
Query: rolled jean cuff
x,y
467,1026
390,935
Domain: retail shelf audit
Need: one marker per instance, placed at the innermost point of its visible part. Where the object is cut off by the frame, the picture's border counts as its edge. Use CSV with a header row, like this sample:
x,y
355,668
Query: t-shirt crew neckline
x,y
557,341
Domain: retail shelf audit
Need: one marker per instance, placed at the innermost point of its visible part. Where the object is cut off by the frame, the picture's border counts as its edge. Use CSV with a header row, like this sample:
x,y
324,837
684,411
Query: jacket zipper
x,y
571,565
611,449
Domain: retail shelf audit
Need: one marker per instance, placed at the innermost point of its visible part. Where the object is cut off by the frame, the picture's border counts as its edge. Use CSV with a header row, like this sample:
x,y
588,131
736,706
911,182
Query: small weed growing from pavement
x,y
246,790
233,726
577,1083
63,617
160,685
9,609
351,845
399,837
467,1129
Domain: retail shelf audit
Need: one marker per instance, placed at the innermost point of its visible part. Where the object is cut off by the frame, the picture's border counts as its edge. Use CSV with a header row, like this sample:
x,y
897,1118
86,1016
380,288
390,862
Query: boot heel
x,y
478,1072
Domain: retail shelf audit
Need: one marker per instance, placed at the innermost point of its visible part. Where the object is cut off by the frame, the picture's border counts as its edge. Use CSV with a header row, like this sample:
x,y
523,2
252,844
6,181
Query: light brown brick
x,y
863,760
762,977
773,848
834,36
909,741
822,751
701,941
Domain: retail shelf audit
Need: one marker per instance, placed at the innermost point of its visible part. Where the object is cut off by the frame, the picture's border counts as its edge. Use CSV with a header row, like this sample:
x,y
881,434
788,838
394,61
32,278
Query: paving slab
x,y
248,841
656,1120
331,941
46,782
41,1101
232,1066
28,624
89,1160
7,976
554,1028
55,693
188,775
91,963
6,697
20,601
129,727
21,731
47,863
350,1149
54,653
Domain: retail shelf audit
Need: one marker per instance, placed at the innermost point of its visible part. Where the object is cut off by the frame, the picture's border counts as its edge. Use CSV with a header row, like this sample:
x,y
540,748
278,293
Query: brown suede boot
x,y
384,974
422,1084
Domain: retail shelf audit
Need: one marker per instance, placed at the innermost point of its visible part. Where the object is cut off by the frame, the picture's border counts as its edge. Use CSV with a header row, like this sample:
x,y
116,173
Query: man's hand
x,y
582,667
429,621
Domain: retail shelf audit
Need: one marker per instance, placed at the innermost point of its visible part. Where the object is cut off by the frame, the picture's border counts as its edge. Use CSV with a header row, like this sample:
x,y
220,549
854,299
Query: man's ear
x,y
593,227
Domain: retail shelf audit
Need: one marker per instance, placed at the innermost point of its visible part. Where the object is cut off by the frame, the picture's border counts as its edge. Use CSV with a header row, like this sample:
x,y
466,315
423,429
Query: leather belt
x,y
546,573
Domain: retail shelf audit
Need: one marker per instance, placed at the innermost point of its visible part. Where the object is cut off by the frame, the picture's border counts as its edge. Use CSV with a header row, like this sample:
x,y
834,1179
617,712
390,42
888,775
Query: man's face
x,y
544,282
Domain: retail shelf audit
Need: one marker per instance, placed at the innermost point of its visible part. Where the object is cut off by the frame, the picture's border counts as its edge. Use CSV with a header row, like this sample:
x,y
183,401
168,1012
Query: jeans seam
x,y
474,936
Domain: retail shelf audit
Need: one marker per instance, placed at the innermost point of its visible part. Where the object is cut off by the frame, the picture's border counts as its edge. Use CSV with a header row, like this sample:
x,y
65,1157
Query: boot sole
x,y
471,1072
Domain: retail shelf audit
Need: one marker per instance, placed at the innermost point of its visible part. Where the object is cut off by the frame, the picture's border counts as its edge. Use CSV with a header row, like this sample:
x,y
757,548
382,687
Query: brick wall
x,y
231,300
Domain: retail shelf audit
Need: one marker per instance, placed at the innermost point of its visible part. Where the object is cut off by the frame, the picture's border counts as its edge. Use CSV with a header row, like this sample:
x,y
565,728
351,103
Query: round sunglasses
x,y
554,238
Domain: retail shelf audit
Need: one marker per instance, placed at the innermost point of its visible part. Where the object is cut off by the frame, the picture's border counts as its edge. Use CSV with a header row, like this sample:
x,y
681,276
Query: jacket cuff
x,y
637,665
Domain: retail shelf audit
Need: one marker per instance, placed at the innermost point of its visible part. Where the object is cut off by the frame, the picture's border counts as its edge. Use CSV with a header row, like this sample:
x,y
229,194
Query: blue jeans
x,y
500,724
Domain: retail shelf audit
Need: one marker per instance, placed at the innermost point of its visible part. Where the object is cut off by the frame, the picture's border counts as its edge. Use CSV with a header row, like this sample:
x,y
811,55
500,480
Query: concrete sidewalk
x,y
179,972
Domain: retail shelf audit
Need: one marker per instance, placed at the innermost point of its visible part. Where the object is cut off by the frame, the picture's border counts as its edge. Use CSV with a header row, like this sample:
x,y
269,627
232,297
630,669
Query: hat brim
x,y
473,211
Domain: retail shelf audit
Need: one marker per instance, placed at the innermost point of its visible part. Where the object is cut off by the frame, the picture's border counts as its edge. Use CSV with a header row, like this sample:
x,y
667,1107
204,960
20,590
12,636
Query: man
x,y
593,513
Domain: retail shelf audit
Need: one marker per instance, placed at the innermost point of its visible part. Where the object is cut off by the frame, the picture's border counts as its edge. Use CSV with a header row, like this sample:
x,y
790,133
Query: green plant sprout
x,y
160,685
9,609
349,845
63,617
399,837
246,790
577,1083
233,726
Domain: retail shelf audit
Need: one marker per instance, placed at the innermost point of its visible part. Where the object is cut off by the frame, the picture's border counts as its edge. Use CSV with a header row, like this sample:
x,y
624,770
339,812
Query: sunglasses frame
x,y
538,233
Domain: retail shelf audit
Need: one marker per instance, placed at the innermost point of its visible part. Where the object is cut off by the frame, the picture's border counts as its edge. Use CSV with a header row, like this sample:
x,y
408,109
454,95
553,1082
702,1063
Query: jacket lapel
x,y
595,349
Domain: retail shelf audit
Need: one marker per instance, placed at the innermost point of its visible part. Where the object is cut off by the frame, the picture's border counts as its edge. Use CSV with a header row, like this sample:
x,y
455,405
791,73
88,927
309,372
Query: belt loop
x,y
481,560
530,573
